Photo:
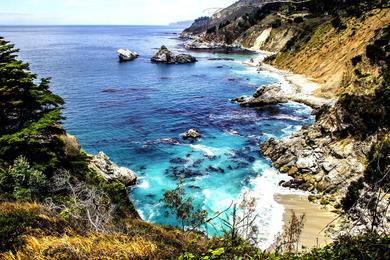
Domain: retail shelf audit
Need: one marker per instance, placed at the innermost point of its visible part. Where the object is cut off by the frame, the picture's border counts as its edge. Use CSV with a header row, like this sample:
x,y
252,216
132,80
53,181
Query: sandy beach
x,y
317,218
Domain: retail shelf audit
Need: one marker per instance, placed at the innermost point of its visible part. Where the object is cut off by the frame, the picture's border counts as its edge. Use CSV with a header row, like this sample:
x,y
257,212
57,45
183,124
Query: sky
x,y
104,12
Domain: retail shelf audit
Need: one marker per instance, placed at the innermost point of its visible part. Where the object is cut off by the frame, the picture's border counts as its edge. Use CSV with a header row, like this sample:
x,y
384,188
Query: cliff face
x,y
346,51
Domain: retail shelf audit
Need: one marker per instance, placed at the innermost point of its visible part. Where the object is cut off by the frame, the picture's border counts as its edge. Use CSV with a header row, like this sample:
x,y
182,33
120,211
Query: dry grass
x,y
93,246
326,55
29,231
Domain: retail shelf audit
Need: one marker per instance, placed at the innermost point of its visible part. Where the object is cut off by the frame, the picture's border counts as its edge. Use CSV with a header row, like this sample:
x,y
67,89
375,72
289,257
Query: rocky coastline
x,y
110,171
315,158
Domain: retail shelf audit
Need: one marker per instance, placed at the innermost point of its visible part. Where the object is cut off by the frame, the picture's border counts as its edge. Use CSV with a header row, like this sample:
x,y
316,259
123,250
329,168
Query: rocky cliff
x,y
342,47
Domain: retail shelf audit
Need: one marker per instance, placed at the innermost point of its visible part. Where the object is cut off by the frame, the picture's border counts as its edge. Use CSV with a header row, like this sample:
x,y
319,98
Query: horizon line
x,y
162,25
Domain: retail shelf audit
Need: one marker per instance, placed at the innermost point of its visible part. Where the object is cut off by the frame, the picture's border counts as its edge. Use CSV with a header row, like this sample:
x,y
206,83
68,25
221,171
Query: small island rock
x,y
192,134
166,56
127,55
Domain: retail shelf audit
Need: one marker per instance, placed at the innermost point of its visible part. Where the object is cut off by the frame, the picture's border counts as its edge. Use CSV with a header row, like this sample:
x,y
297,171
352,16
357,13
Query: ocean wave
x,y
291,129
210,151
144,184
263,188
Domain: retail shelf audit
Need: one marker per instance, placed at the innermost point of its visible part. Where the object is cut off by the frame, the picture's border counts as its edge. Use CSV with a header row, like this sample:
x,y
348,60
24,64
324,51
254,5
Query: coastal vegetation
x,y
54,204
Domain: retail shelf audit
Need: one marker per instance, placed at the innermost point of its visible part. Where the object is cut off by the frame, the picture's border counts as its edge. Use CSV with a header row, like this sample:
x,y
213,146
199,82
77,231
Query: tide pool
x,y
133,111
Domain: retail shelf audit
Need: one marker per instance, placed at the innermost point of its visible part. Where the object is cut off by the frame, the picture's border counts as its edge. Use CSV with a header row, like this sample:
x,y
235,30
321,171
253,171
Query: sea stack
x,y
127,55
191,134
167,57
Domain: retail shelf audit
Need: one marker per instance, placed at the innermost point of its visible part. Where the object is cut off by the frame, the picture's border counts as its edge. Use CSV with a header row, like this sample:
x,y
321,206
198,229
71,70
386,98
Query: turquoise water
x,y
128,110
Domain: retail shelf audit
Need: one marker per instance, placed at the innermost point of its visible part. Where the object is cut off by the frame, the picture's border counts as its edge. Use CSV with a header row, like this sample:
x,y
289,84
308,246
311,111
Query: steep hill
x,y
344,47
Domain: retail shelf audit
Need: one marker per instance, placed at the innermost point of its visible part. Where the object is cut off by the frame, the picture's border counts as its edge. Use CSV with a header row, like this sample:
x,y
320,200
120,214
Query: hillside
x,y
304,32
344,47
57,202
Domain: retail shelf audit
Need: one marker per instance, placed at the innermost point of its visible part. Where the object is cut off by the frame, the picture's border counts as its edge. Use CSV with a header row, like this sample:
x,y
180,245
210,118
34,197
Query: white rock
x,y
127,55
102,164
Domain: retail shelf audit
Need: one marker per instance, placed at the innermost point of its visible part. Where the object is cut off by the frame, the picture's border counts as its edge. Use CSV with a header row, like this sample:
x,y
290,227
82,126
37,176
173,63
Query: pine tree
x,y
29,113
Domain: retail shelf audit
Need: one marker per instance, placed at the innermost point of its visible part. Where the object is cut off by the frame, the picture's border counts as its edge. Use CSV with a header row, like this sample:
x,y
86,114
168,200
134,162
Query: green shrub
x,y
298,19
353,194
357,59
338,24
276,23
378,169
367,246
179,204
22,182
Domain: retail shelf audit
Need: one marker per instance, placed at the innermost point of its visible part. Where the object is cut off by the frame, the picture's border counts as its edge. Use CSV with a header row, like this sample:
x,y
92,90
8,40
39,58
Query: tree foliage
x,y
22,182
182,207
29,113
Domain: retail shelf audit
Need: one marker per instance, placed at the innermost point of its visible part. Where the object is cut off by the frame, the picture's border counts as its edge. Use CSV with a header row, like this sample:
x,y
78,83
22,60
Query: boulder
x,y
126,55
166,56
102,164
264,95
191,134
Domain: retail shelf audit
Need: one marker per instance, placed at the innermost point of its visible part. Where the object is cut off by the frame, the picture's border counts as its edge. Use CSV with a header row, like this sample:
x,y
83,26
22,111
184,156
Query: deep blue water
x,y
127,109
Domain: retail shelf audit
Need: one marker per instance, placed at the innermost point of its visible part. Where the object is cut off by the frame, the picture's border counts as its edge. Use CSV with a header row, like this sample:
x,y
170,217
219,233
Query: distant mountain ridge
x,y
181,24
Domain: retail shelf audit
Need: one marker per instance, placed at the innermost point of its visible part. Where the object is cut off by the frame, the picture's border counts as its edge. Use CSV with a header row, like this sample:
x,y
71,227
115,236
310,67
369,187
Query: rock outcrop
x,y
264,95
198,43
319,159
127,55
102,164
166,56
191,134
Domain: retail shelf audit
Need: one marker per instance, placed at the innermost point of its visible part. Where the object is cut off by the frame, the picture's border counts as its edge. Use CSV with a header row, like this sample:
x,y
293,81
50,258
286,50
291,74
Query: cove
x,y
131,111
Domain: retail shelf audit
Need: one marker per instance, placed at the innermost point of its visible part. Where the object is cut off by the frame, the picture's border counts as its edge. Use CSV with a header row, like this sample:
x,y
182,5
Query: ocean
x,y
132,111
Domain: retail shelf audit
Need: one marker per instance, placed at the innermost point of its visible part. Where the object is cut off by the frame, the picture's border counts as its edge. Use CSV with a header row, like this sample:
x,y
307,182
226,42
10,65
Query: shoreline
x,y
295,87
317,219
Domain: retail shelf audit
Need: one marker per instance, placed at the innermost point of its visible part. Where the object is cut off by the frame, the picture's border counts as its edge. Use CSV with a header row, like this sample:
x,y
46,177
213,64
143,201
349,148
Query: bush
x,y
298,19
353,194
378,169
276,24
356,60
212,29
23,183
181,206
367,246
338,24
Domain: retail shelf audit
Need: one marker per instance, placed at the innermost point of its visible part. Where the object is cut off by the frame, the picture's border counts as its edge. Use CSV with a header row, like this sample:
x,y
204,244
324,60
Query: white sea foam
x,y
209,151
233,132
269,136
291,129
206,193
285,117
144,184
270,213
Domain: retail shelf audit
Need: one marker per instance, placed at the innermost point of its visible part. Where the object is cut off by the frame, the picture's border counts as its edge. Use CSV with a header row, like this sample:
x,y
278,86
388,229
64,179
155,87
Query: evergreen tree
x,y
29,114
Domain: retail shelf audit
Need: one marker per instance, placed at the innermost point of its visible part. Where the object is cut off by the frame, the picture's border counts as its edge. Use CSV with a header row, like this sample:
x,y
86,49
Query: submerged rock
x,y
191,134
127,55
170,141
102,164
166,56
